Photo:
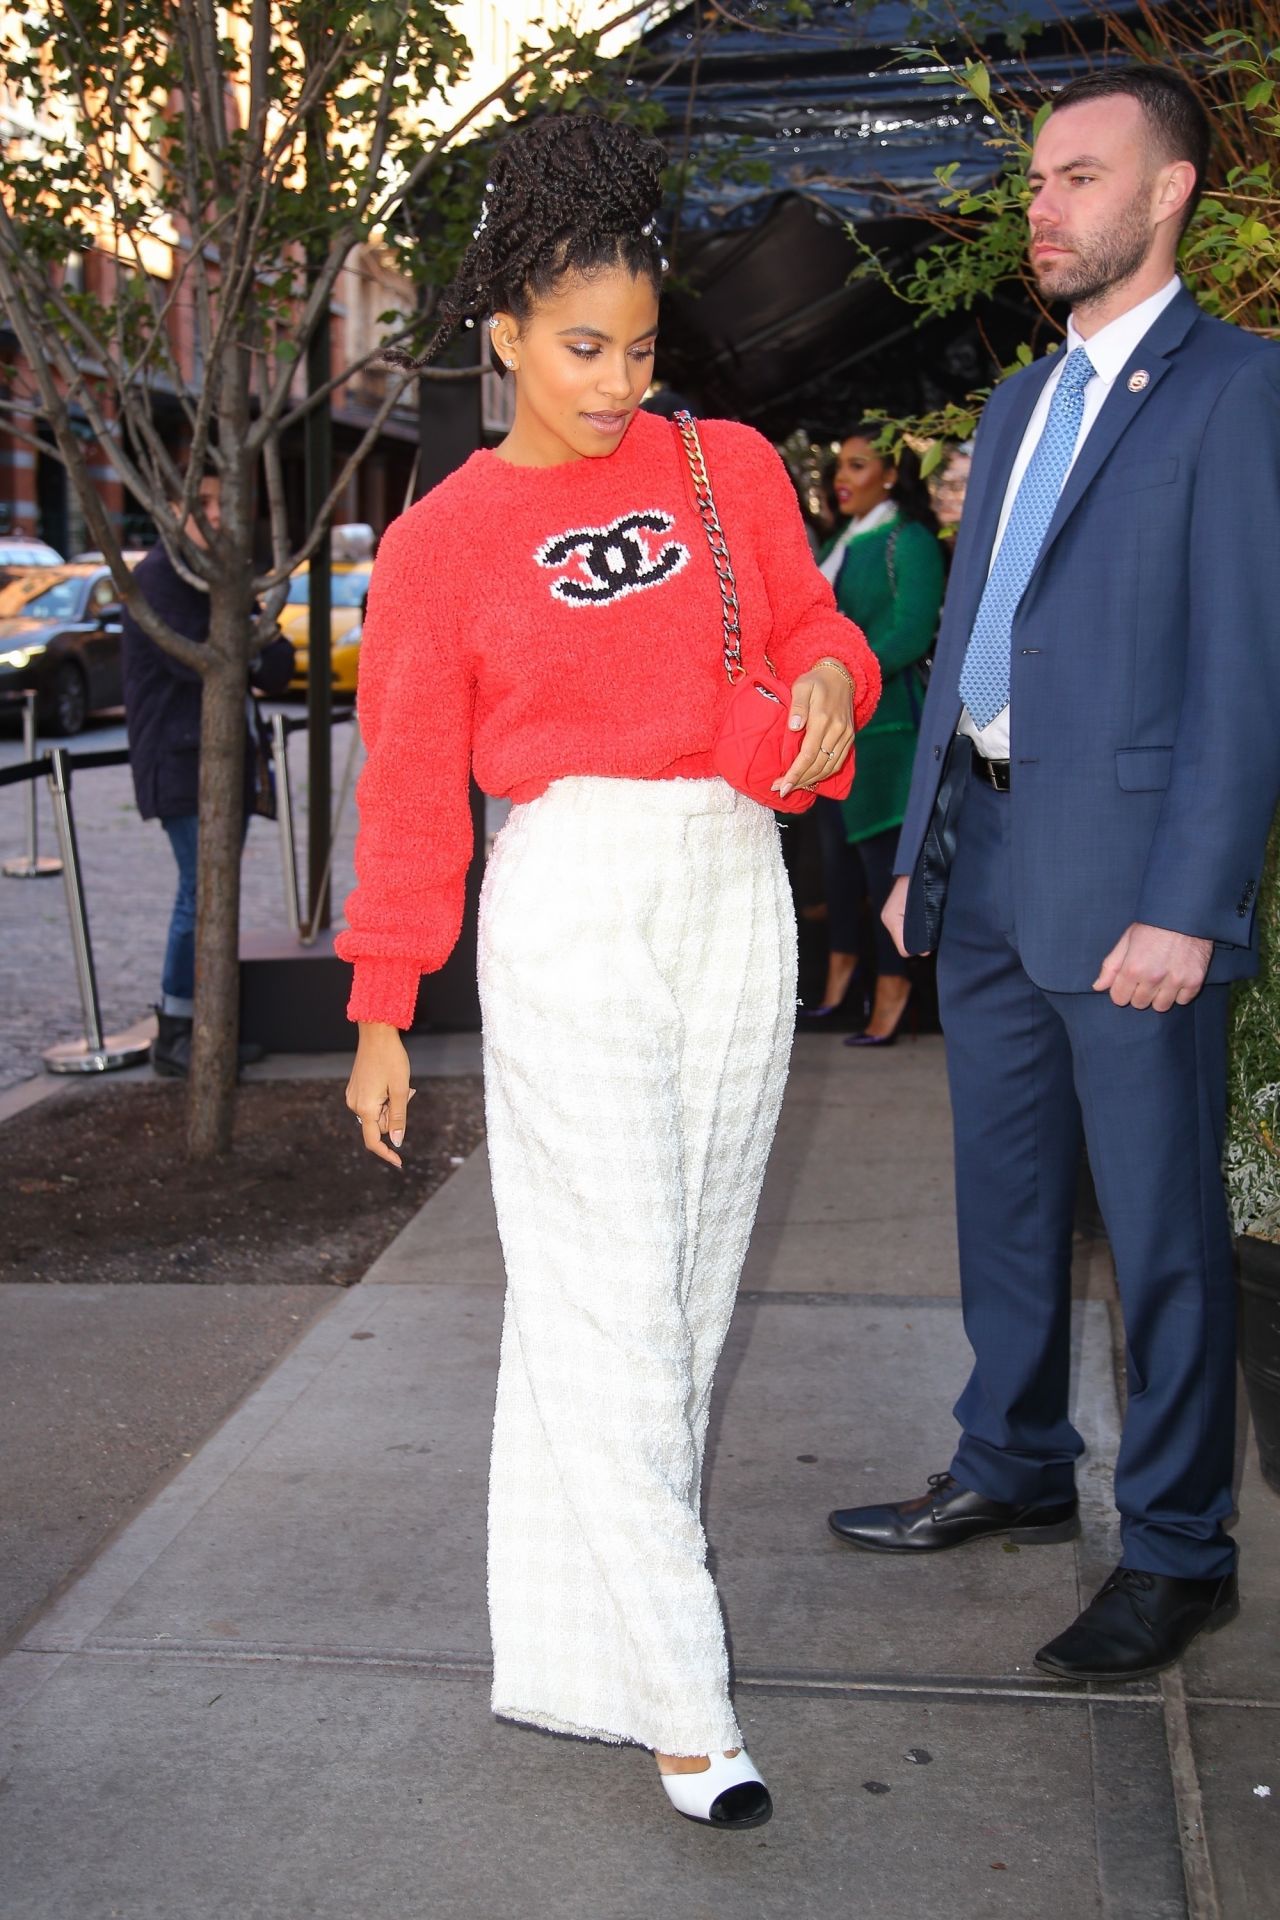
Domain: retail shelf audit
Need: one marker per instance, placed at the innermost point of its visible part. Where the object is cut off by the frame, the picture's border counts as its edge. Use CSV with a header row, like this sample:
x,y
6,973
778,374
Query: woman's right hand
x,y
379,1091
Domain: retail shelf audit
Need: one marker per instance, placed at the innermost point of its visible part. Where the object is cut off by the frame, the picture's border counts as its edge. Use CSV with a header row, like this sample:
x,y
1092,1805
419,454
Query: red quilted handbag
x,y
754,746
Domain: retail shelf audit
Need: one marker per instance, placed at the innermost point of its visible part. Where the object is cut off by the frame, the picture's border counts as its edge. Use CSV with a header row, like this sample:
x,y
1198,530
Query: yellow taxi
x,y
349,584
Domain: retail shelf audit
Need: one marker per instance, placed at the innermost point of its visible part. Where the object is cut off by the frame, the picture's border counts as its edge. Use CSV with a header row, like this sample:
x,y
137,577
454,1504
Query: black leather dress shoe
x,y
1138,1624
949,1515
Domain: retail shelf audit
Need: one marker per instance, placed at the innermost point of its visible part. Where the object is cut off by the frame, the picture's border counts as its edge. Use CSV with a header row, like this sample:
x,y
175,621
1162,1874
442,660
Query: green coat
x,y
900,621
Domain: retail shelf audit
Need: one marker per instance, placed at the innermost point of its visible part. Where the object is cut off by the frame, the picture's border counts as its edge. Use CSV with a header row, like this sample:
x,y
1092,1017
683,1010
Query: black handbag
x,y
927,894
263,797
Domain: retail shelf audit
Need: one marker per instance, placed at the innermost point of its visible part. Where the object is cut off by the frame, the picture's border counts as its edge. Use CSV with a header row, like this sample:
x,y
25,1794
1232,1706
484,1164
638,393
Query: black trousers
x,y
852,874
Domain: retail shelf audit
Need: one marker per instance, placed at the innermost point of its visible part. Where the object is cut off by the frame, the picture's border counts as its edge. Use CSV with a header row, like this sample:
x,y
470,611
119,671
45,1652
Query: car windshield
x,y
27,556
348,589
39,598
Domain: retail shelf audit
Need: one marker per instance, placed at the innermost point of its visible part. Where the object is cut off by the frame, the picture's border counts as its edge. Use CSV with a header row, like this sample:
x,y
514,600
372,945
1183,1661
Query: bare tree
x,y
222,163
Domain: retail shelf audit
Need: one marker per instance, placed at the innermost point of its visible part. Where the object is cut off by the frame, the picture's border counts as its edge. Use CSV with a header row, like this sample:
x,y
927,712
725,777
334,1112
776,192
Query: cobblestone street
x,y
129,880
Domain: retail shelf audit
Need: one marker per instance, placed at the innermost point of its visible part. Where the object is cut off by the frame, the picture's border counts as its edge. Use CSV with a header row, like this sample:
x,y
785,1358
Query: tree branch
x,y
539,59
329,505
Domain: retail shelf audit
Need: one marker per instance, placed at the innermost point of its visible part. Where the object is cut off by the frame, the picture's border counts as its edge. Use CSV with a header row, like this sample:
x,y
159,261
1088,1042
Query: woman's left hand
x,y
821,707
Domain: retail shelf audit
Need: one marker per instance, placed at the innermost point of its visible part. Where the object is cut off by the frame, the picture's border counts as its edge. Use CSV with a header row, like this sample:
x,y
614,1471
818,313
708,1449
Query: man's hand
x,y
1151,967
894,911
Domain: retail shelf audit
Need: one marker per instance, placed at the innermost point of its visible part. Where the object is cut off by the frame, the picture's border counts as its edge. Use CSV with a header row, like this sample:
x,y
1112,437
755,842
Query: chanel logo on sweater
x,y
625,557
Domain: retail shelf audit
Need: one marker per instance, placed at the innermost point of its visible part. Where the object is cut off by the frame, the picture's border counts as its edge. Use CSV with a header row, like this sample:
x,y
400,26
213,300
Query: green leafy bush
x,y
1252,1158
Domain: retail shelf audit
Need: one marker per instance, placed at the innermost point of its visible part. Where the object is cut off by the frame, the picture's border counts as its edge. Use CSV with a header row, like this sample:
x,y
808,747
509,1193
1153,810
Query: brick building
x,y
35,498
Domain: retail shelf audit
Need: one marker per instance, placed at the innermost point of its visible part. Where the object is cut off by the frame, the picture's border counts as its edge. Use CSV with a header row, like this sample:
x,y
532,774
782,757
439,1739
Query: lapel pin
x,y
1139,380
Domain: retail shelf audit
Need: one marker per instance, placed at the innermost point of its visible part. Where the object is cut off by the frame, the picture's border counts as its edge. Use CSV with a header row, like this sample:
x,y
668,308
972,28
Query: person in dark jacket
x,y
162,710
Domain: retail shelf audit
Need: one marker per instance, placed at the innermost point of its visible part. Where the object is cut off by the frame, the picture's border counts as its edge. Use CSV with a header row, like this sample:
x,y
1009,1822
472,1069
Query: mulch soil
x,y
96,1185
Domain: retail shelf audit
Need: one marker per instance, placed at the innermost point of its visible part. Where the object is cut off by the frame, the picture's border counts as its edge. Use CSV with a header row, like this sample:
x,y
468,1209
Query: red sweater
x,y
527,623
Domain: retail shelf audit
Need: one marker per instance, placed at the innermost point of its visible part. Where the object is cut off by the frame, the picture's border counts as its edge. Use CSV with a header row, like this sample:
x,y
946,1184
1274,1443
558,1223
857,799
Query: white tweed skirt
x,y
637,965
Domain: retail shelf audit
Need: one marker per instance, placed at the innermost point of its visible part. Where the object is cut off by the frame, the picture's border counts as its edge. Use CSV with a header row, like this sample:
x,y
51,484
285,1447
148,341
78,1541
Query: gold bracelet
x,y
838,665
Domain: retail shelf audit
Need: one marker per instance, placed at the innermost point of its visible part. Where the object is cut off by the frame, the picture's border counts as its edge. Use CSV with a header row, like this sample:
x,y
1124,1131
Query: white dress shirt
x,y
1109,349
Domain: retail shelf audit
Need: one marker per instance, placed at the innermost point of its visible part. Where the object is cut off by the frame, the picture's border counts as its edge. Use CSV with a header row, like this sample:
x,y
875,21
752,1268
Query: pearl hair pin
x,y
484,212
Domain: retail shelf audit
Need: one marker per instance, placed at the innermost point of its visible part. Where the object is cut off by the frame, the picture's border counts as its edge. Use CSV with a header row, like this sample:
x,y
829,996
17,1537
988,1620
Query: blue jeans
x,y
178,981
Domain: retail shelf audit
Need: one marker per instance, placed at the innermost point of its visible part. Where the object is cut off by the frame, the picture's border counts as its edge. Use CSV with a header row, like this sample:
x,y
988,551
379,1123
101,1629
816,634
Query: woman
x,y
887,569
949,485
550,615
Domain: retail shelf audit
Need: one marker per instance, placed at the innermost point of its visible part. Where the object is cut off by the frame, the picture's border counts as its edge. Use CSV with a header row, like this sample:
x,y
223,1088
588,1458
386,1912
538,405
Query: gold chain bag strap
x,y
754,746
719,546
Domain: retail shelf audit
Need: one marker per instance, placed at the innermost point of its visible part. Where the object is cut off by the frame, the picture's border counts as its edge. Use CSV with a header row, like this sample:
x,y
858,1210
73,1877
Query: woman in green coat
x,y
887,568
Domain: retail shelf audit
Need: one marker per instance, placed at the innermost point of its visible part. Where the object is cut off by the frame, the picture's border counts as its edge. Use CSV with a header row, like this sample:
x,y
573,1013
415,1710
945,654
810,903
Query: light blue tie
x,y
984,677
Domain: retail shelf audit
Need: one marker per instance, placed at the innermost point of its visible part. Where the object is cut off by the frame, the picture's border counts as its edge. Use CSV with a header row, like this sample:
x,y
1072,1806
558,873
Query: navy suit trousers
x,y
1032,1074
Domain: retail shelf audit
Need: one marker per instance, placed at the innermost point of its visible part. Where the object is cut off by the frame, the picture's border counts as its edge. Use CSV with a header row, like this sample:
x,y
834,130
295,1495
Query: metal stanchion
x,y
284,820
93,1054
307,935
30,866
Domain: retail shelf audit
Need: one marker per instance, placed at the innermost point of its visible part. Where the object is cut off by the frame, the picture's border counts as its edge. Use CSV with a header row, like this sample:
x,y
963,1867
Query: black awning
x,y
763,321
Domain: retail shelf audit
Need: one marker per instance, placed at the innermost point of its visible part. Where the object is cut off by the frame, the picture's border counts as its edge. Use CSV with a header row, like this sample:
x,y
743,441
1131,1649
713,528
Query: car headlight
x,y
20,657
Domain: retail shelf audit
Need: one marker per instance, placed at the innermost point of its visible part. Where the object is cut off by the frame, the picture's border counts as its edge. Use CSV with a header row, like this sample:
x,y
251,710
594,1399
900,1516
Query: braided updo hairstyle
x,y
569,193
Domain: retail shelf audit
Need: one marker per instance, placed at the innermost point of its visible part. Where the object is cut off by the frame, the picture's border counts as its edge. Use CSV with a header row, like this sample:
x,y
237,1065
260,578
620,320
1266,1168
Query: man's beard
x,y
1097,265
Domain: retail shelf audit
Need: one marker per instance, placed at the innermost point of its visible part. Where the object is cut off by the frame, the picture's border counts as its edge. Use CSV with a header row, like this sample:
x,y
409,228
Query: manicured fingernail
x,y
796,722
784,789
397,1137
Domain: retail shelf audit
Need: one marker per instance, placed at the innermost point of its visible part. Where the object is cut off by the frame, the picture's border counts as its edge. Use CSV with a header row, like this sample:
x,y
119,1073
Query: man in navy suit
x,y
1099,763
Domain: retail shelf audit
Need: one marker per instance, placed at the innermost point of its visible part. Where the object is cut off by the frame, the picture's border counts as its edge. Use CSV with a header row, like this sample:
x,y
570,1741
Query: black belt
x,y
994,772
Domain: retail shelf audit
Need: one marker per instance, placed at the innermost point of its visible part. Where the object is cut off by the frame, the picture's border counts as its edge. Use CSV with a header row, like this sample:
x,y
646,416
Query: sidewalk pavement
x,y
107,1388
267,1698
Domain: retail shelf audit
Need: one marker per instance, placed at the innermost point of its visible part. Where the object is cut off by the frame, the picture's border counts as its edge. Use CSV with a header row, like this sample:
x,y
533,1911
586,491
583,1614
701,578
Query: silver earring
x,y
493,323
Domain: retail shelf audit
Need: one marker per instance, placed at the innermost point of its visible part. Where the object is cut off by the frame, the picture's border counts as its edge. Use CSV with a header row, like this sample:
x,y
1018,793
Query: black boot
x,y
171,1048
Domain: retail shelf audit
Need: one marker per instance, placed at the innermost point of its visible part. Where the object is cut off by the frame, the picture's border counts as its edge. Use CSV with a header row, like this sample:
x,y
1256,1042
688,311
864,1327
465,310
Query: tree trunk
x,y
212,1081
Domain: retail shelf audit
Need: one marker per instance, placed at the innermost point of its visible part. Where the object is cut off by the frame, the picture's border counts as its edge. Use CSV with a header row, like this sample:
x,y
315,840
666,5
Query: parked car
x,y
19,555
349,586
60,638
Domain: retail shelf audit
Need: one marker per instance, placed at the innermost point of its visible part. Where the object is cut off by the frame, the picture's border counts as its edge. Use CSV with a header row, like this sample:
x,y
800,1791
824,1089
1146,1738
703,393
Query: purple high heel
x,y
881,1039
855,988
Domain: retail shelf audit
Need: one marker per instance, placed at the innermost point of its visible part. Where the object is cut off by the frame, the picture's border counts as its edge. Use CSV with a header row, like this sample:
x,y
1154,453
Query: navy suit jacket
x,y
1145,668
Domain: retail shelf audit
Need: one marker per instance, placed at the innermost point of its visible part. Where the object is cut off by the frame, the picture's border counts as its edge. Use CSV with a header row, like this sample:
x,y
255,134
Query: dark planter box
x,y
293,999
1260,1346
